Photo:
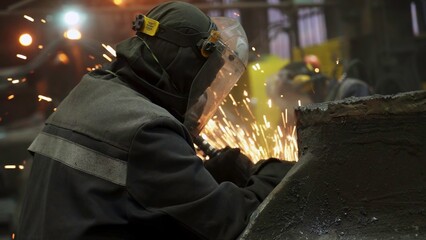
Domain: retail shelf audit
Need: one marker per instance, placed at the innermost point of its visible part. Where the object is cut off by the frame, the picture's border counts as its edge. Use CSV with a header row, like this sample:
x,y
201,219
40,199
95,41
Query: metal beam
x,y
202,6
19,4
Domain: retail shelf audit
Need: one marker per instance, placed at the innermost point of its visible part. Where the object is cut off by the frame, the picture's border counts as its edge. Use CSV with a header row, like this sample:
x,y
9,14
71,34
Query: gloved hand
x,y
272,166
230,165
266,175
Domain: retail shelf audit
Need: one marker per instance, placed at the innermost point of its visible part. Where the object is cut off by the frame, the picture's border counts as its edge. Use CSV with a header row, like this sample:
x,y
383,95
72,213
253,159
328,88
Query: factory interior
x,y
361,155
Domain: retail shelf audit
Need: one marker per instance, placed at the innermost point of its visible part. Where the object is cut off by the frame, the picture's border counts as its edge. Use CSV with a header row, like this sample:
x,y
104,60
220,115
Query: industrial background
x,y
47,45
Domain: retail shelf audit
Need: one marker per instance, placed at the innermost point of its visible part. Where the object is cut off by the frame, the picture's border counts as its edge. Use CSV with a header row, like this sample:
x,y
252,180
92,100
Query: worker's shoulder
x,y
107,111
114,98
353,87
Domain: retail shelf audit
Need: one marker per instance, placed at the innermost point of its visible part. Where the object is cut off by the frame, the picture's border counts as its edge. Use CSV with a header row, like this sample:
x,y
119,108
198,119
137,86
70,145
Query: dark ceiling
x,y
10,5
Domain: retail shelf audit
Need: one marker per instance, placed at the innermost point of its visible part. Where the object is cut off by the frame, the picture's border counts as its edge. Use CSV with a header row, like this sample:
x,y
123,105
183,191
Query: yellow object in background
x,y
258,72
303,83
329,53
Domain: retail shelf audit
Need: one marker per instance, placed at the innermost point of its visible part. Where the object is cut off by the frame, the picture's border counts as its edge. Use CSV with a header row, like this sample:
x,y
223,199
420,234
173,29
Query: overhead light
x,y
118,2
72,18
25,39
73,34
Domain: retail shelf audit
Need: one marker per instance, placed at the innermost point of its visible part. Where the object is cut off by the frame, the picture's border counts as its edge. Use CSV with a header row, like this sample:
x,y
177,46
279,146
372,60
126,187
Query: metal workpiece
x,y
376,106
361,173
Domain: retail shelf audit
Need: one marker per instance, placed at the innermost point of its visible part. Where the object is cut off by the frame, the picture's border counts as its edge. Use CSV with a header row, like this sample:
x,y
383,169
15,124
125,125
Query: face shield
x,y
224,66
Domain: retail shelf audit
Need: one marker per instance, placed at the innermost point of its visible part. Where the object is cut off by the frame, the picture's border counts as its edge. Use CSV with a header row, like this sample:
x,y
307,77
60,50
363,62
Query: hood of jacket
x,y
160,69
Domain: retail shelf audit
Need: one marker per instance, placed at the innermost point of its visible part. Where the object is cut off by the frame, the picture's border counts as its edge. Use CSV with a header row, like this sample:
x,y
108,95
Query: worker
x,y
352,83
293,86
117,161
302,83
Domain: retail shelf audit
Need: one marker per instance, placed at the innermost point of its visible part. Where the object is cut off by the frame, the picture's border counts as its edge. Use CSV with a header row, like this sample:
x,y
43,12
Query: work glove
x,y
266,175
230,165
272,166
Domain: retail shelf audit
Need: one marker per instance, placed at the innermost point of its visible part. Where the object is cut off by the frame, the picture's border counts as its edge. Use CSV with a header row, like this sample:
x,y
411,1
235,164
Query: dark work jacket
x,y
348,87
109,164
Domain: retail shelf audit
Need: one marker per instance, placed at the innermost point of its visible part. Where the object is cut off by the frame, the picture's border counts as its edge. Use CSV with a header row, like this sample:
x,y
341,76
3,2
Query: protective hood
x,y
160,67
184,61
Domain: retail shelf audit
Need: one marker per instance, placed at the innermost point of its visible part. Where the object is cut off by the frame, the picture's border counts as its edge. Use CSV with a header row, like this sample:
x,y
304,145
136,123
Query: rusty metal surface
x,y
371,106
361,174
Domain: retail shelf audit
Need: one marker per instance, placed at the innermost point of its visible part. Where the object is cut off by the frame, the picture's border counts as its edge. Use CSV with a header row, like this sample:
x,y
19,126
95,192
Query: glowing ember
x,y
63,58
107,57
110,49
21,56
29,18
47,99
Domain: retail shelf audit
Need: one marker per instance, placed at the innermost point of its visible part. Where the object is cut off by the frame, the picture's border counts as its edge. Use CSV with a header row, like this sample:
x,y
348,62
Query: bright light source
x,y
107,57
110,49
29,18
25,39
21,56
118,2
63,58
72,18
47,99
72,34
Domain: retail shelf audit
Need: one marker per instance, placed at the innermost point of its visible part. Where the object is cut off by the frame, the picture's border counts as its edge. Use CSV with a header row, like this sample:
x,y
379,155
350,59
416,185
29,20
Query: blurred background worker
x,y
301,83
351,84
117,161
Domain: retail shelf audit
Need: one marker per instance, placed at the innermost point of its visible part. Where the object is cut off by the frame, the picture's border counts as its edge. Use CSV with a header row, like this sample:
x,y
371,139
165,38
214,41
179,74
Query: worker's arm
x,y
166,177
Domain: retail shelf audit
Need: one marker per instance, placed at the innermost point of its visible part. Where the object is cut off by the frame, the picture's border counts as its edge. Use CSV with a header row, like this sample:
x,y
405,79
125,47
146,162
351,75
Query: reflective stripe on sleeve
x,y
80,158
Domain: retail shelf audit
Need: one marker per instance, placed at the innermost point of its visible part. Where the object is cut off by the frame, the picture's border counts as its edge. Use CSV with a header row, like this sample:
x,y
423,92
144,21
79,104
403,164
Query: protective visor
x,y
223,68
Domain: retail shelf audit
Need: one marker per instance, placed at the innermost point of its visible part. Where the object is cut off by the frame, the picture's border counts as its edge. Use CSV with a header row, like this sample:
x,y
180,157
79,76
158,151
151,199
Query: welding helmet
x,y
226,50
201,59
297,76
302,79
